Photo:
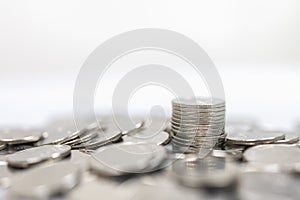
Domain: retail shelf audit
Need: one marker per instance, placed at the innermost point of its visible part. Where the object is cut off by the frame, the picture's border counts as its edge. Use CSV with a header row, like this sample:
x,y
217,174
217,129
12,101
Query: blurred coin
x,y
20,136
207,172
84,137
122,159
147,135
28,157
254,137
290,138
102,139
2,146
275,186
283,156
46,181
5,176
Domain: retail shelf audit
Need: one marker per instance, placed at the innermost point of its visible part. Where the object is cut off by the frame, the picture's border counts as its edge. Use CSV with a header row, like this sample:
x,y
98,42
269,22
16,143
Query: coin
x,y
122,159
275,186
290,138
208,172
20,136
282,155
2,146
107,137
28,157
149,136
46,181
199,102
254,137
84,137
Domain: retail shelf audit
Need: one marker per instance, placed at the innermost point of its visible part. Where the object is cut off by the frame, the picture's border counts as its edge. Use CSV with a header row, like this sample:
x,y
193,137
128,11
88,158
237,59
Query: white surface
x,y
254,44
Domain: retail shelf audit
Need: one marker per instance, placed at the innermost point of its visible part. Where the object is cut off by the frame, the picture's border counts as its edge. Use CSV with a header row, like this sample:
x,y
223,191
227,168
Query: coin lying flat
x,y
281,155
20,136
275,186
149,136
290,138
46,181
122,159
28,157
254,137
199,102
102,139
210,171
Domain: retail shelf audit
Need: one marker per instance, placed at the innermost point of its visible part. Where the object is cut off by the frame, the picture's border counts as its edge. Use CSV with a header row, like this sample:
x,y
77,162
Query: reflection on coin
x,y
20,136
290,138
102,139
28,157
5,176
283,156
199,102
254,137
275,186
210,171
121,159
46,181
2,146
149,136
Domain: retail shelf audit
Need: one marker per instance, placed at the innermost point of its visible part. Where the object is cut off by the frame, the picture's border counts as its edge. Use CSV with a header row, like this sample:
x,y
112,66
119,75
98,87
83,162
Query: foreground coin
x,y
284,157
35,155
275,186
47,181
254,137
20,136
208,172
122,159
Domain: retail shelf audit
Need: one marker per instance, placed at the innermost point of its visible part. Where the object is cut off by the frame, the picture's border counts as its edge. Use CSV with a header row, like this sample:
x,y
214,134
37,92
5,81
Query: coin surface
x,y
290,138
284,156
149,136
20,136
121,159
35,155
254,137
210,171
46,181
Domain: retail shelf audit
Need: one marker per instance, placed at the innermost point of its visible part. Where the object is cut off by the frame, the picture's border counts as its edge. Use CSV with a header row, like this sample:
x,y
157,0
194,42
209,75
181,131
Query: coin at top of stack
x,y
197,123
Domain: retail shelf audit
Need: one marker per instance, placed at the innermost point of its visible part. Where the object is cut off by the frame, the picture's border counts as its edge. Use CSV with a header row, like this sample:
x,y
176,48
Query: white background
x,y
254,44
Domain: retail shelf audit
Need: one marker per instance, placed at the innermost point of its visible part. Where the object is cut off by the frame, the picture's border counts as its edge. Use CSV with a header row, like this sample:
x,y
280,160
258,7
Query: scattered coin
x,y
122,159
149,136
290,138
254,137
46,181
20,136
28,157
282,156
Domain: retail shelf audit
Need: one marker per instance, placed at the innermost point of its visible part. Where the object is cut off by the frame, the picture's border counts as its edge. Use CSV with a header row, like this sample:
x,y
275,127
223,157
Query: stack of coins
x,y
197,124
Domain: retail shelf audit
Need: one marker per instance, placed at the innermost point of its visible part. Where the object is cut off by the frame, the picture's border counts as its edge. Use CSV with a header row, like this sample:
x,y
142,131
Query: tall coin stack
x,y
197,124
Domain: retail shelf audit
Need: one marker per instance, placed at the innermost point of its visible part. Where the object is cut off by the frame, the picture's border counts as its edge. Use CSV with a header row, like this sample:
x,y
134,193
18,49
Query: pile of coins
x,y
197,124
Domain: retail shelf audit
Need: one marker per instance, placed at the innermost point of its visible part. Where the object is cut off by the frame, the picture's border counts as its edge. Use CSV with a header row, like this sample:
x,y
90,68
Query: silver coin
x,y
20,136
275,186
149,136
85,137
284,156
254,137
229,155
5,176
60,135
108,137
210,171
28,157
46,181
122,159
199,101
198,122
203,126
290,138
2,146
187,111
195,118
